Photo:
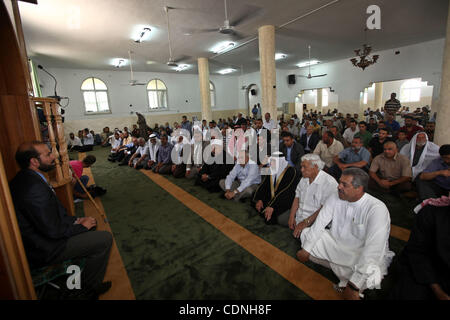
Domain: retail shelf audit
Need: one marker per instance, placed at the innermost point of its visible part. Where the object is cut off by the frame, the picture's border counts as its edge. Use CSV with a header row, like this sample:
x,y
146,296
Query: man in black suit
x,y
292,150
49,235
309,140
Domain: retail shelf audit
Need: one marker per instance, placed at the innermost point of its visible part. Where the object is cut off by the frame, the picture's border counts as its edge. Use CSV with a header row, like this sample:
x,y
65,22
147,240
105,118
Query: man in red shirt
x,y
77,169
410,128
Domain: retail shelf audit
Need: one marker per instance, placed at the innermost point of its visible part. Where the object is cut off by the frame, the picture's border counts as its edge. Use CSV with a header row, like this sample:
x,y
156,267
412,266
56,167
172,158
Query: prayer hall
x,y
218,150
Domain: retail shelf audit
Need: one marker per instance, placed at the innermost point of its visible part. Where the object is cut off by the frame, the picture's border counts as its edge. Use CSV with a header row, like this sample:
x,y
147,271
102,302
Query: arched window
x,y
410,91
212,92
95,95
157,94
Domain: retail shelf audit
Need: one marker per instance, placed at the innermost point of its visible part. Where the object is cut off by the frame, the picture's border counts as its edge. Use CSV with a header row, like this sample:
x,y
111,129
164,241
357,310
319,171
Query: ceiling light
x,y
119,62
279,56
222,47
225,71
143,35
181,67
308,63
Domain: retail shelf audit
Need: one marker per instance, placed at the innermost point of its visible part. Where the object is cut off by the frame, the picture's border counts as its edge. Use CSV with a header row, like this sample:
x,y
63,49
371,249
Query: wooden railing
x,y
57,140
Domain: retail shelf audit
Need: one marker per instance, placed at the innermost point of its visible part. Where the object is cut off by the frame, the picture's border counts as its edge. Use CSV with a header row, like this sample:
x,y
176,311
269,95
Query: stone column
x,y
378,96
203,75
319,99
442,133
266,35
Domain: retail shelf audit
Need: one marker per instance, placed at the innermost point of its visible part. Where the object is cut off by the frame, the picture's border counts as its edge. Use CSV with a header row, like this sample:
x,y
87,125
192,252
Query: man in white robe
x,y
420,153
356,246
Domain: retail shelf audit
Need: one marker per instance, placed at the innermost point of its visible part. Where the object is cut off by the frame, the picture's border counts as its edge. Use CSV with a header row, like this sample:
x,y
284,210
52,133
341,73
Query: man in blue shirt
x,y
392,124
164,159
355,156
434,181
185,124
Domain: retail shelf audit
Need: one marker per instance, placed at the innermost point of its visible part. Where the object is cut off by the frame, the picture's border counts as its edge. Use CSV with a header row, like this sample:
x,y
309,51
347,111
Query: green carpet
x,y
171,253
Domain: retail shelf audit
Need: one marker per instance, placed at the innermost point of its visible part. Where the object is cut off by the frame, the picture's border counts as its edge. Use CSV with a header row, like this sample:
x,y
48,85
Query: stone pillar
x,y
378,96
266,35
319,99
442,133
205,95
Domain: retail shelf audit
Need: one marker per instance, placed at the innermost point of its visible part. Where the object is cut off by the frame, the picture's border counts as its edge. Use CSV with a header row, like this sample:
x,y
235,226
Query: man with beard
x,y
50,236
277,190
420,153
410,128
429,129
356,246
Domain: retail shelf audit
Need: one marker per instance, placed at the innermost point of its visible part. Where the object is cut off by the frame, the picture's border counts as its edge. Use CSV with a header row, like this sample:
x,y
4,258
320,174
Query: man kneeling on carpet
x,y
277,191
356,246
243,180
50,236
77,168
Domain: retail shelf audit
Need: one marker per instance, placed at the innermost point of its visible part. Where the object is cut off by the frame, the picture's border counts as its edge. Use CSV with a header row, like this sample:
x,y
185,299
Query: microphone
x,y
56,82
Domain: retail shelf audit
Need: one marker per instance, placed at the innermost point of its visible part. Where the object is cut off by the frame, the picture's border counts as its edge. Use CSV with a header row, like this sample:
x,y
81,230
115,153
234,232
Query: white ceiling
x,y
88,34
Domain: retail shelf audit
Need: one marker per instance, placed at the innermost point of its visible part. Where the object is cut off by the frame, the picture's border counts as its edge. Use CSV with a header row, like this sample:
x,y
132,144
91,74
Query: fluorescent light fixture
x,y
141,33
307,63
225,71
119,62
223,47
279,56
181,67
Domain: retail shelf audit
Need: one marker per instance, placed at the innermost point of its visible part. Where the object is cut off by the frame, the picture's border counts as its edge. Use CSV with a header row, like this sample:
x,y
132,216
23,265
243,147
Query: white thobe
x,y
311,196
356,246
153,149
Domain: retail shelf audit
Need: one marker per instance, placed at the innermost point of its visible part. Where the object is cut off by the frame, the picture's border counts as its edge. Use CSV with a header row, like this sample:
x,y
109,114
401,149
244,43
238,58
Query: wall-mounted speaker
x,y
253,92
291,79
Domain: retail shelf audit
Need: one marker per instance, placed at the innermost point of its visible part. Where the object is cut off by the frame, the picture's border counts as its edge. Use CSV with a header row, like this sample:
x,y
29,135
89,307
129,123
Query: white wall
x,y
183,92
423,60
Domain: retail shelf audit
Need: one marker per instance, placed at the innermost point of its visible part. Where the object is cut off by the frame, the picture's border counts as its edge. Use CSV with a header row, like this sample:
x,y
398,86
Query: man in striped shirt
x,y
392,105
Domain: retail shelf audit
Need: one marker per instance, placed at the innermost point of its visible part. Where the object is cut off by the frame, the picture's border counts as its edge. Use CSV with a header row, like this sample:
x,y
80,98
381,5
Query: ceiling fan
x,y
132,81
309,76
172,62
228,27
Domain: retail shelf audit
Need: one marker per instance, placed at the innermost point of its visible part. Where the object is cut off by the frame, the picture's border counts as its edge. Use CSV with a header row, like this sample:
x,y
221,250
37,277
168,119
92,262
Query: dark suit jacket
x,y
43,221
296,153
313,141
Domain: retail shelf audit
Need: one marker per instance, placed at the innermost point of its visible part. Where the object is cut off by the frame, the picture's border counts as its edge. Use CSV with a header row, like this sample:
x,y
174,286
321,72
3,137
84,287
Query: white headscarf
x,y
429,153
279,166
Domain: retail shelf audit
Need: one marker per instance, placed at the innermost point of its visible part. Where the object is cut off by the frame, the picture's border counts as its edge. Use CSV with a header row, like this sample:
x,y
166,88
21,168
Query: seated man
x,y
328,148
390,171
365,135
420,153
74,143
401,140
88,141
356,246
377,142
216,168
434,181
410,128
196,148
77,167
424,263
350,132
309,140
50,236
116,143
128,152
292,150
277,190
153,146
356,156
139,158
243,180
315,187
105,137
164,160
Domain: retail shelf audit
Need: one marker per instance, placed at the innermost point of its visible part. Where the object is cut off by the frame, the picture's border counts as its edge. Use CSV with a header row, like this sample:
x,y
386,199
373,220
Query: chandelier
x,y
364,57
363,54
